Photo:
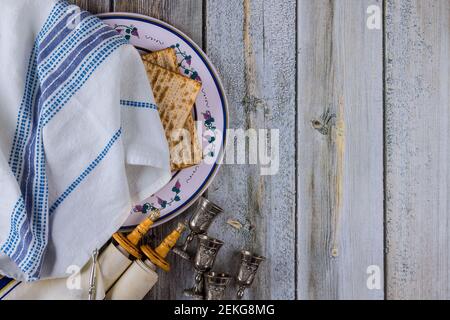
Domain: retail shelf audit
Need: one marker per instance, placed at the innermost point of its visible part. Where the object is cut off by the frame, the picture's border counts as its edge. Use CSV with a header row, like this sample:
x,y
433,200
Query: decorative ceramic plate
x,y
149,34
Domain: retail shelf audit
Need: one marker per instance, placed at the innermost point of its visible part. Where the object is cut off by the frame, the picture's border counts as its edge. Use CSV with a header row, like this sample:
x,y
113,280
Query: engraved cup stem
x,y
247,271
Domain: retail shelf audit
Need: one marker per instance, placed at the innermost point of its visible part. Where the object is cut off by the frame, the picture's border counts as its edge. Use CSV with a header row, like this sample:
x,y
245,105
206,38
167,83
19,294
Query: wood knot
x,y
324,123
334,253
253,103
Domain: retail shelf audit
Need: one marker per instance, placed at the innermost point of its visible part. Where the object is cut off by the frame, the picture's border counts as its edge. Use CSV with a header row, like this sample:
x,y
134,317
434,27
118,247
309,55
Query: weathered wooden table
x,y
359,90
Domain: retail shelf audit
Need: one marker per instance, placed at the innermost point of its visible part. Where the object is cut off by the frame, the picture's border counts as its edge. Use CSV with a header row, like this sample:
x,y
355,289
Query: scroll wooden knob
x,y
130,242
158,256
170,241
141,230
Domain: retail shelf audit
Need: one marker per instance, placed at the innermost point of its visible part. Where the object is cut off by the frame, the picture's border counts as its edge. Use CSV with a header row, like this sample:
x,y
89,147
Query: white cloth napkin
x,y
80,137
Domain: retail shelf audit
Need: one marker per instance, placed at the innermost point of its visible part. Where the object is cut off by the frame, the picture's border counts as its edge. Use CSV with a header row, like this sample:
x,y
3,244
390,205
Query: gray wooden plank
x,y
340,196
417,149
94,6
186,15
252,43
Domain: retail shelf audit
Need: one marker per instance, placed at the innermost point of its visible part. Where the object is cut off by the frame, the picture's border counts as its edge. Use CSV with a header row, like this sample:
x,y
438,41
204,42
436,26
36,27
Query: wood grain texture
x,y
340,150
252,44
417,149
97,6
186,15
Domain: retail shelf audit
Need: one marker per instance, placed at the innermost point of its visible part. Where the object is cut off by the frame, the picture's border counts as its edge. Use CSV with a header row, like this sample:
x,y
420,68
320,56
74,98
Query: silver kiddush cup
x,y
204,261
247,271
216,285
199,224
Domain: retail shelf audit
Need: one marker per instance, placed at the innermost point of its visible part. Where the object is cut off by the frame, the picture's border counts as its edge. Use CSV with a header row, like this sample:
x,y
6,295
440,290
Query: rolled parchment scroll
x,y
113,264
119,255
135,283
140,278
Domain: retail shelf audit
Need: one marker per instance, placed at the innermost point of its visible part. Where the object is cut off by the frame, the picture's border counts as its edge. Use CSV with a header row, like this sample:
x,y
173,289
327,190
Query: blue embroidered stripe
x,y
73,60
83,74
86,172
4,282
22,126
24,114
16,283
16,223
68,28
70,12
86,27
136,104
16,158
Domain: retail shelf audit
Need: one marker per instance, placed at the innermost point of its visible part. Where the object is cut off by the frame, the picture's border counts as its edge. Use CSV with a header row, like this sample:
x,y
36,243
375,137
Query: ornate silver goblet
x,y
200,222
204,261
247,271
216,285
